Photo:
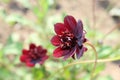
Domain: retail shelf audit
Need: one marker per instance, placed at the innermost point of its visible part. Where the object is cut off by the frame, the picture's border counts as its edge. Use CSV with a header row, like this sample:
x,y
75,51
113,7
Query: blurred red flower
x,y
35,54
69,38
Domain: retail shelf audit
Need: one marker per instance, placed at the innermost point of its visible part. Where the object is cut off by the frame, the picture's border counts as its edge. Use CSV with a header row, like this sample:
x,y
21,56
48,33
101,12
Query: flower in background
x,y
35,54
69,38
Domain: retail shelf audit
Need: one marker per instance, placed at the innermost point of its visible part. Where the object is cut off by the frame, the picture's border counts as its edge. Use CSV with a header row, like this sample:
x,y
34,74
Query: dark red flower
x,y
35,54
69,38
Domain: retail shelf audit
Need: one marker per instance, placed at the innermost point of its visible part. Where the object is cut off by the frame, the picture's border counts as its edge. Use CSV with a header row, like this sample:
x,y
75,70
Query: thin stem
x,y
96,57
84,62
92,61
88,43
87,61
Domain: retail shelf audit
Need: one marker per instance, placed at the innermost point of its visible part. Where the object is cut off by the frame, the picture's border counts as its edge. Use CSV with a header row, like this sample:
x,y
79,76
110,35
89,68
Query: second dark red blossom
x,y
35,54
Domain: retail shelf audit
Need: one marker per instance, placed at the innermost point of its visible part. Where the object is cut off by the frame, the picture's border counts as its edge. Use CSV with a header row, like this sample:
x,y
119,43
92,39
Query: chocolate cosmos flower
x,y
69,38
35,54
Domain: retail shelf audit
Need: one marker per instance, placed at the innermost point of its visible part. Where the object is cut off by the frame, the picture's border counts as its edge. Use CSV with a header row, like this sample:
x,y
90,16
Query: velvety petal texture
x,y
35,54
69,38
70,23
59,28
79,29
56,40
58,52
79,52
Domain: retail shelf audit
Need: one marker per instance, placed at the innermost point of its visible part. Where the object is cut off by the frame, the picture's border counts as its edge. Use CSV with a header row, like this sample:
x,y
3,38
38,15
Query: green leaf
x,y
3,13
104,51
86,77
67,74
38,74
4,73
13,18
99,68
105,78
1,54
14,48
41,9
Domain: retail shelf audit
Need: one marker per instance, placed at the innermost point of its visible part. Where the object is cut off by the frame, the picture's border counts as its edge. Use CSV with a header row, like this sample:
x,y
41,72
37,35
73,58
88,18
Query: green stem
x,y
96,57
86,61
92,61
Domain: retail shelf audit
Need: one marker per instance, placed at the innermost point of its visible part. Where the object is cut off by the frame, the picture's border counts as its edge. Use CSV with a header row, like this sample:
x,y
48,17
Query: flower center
x,y
35,54
68,40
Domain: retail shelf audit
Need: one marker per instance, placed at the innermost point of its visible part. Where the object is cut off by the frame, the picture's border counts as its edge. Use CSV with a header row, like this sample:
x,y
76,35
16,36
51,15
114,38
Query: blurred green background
x,y
32,21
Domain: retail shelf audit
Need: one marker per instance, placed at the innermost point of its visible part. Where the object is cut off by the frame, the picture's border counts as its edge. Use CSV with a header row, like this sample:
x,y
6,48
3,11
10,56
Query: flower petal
x,y
80,42
73,56
43,59
79,29
44,51
70,54
70,23
32,46
23,58
85,49
39,49
55,40
58,52
59,28
29,64
79,52
24,51
85,40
